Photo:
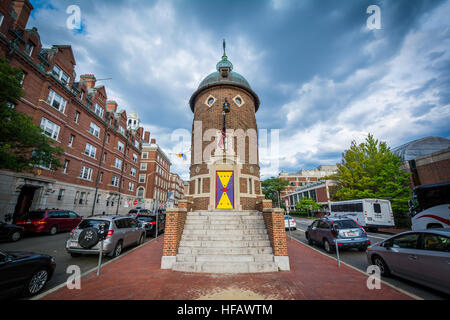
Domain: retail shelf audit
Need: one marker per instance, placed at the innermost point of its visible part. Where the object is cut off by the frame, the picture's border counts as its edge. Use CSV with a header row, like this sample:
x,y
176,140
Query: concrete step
x,y
224,237
225,258
224,251
207,226
219,267
224,244
224,232
224,213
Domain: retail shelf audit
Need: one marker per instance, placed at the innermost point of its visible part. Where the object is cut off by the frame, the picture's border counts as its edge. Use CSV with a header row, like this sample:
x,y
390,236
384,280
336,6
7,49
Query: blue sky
x,y
324,79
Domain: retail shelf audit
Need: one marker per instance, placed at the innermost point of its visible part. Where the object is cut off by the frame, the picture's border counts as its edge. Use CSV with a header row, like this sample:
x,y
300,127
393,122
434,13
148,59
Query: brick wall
x,y
175,219
274,220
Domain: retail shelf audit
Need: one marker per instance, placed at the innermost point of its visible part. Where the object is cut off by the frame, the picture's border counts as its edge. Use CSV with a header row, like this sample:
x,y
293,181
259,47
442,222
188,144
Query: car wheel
x,y
118,249
75,255
15,236
141,239
36,282
310,242
379,262
327,246
53,230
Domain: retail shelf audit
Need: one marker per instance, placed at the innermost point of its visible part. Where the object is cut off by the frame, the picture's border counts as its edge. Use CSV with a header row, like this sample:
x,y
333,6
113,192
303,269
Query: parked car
x,y
347,232
290,223
10,232
24,273
422,256
121,232
149,223
137,211
49,221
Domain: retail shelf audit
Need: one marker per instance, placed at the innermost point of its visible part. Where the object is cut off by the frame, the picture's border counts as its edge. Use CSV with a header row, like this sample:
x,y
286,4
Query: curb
x,y
356,269
45,293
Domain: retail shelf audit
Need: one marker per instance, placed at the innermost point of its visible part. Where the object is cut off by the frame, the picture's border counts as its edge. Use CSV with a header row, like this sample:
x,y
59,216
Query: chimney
x,y
153,141
23,9
111,105
89,79
147,136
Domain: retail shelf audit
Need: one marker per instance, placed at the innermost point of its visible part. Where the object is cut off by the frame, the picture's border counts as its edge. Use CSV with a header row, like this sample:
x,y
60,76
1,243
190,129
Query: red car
x,y
49,221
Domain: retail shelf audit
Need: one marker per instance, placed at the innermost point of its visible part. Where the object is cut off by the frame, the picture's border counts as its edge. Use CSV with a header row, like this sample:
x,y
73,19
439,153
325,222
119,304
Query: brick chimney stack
x,y
89,79
147,136
23,9
111,105
153,141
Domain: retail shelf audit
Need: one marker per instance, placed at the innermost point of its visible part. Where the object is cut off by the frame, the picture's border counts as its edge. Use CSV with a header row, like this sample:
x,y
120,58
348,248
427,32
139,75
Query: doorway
x,y
224,190
24,201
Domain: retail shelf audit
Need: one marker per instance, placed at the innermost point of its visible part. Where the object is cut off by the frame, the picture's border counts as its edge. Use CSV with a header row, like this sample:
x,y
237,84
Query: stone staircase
x,y
225,242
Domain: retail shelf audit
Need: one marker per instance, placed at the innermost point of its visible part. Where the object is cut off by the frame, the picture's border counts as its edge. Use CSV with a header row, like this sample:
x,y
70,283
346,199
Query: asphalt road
x,y
358,260
55,246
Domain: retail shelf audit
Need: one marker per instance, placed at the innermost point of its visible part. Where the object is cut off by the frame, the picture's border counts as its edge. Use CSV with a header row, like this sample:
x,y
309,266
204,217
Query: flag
x,y
222,138
181,156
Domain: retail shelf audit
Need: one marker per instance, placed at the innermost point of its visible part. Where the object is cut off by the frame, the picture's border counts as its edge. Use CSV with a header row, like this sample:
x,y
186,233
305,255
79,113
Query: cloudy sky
x,y
324,78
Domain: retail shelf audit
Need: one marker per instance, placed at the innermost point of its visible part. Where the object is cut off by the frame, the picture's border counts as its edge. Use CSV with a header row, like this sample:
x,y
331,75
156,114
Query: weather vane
x,y
224,45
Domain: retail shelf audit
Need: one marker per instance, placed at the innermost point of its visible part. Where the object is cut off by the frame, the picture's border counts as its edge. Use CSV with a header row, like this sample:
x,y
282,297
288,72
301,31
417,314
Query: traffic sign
x,y
135,202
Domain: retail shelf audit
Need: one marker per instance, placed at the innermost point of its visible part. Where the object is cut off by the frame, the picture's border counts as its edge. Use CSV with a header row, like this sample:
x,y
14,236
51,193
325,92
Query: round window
x,y
210,101
238,101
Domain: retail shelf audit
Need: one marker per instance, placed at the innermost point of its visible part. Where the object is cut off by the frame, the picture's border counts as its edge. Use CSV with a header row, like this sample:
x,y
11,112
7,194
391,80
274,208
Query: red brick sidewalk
x,y
138,276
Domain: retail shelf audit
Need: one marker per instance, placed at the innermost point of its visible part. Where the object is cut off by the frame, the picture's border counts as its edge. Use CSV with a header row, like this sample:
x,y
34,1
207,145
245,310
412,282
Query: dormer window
x,y
98,110
60,74
29,48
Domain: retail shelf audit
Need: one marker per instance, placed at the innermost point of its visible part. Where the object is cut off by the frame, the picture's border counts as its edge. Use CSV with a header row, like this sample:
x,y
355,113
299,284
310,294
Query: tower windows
x,y
238,100
210,101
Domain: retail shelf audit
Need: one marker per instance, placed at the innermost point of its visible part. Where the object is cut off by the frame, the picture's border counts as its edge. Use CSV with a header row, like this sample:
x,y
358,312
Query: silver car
x,y
422,256
120,232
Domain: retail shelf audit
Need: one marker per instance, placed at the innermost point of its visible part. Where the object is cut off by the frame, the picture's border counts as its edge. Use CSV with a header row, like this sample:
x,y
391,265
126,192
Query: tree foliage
x,y
272,188
305,204
371,170
22,144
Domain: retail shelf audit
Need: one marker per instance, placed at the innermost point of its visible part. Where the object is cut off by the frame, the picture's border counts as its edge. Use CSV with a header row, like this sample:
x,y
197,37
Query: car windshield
x,y
89,223
287,217
34,215
146,218
346,224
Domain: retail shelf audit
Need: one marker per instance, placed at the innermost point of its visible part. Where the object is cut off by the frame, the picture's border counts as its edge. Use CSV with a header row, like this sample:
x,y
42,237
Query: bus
x,y
369,213
430,206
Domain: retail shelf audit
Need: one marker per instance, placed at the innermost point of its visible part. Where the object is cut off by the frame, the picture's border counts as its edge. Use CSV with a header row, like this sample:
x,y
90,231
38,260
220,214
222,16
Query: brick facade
x,y
274,220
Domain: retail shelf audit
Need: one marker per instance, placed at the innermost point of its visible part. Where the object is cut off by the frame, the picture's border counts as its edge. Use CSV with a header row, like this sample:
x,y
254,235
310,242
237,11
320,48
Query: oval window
x,y
210,101
238,101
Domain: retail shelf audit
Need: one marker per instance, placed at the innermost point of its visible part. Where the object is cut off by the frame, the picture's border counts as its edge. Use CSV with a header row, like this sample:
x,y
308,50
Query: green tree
x,y
272,188
371,170
305,204
22,144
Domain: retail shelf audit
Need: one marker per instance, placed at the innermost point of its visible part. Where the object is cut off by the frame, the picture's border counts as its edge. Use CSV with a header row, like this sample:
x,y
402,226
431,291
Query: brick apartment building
x,y
318,191
176,190
154,176
102,146
304,177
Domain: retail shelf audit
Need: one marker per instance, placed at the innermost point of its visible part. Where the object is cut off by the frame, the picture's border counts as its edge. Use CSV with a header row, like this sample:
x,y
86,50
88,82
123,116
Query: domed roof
x,y
421,147
232,78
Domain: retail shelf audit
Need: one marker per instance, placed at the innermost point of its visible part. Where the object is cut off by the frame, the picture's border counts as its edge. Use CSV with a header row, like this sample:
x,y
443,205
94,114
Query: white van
x,y
369,213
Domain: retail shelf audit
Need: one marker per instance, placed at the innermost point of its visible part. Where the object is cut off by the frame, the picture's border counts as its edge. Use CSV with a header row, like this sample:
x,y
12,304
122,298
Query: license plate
x,y
74,244
351,234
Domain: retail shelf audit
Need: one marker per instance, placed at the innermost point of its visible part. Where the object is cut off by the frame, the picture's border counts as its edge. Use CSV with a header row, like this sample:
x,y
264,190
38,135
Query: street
x,y
55,247
359,260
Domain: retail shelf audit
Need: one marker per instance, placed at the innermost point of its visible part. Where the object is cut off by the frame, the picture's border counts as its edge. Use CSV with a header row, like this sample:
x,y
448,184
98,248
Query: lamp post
x,y
225,110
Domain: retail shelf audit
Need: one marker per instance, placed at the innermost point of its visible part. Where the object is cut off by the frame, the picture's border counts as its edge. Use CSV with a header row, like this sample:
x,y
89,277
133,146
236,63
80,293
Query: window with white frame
x,y
115,181
144,155
29,48
142,178
140,192
136,144
133,172
90,150
144,166
1,18
50,128
86,173
130,186
56,101
94,129
71,138
60,74
66,165
98,110
122,130
120,146
118,163
135,157
77,117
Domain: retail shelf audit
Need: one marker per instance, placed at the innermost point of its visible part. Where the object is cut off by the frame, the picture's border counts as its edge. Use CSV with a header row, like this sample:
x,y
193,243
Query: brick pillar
x,y
274,220
175,219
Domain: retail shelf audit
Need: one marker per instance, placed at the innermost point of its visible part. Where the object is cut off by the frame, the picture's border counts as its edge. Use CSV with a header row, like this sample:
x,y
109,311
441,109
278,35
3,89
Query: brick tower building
x,y
224,172
224,224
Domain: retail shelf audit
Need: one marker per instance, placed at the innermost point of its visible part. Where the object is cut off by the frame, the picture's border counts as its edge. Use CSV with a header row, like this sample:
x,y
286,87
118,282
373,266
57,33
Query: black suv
x,y
149,223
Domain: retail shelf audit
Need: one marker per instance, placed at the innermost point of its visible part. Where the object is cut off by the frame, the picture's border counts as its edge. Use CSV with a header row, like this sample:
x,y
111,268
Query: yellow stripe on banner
x,y
224,178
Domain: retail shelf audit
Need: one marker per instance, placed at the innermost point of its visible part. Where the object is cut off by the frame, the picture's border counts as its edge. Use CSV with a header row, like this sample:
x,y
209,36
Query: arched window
x,y
140,192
